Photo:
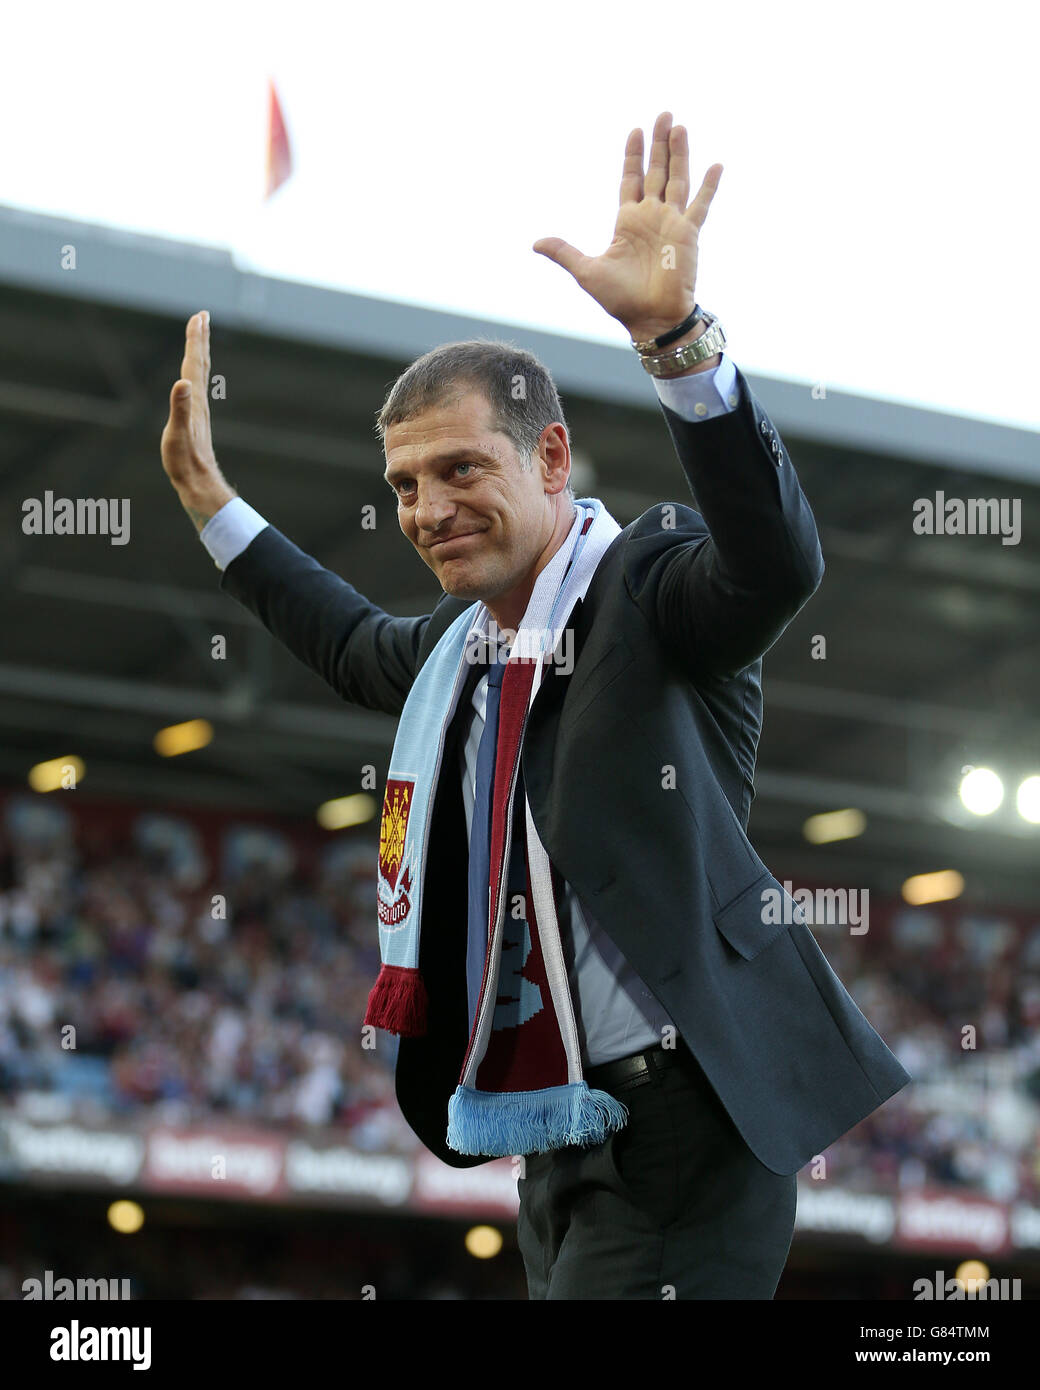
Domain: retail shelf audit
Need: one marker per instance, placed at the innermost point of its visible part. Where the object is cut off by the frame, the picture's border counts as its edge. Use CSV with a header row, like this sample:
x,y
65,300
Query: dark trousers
x,y
675,1205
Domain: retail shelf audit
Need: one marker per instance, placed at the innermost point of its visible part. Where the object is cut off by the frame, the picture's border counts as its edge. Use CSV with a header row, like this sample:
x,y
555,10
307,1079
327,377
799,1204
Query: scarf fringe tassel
x,y
398,1001
500,1123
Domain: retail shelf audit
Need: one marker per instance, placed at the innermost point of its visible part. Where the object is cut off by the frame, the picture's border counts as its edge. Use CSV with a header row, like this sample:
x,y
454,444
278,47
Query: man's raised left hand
x,y
646,277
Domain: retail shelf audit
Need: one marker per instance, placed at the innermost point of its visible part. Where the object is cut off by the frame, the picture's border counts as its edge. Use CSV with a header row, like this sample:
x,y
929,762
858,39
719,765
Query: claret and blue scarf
x,y
521,1088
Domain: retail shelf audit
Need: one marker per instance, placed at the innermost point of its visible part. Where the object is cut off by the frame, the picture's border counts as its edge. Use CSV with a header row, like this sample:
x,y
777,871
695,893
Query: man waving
x,y
585,960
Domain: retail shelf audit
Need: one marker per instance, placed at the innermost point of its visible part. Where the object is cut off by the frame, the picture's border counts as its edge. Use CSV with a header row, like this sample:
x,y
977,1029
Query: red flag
x,y
279,156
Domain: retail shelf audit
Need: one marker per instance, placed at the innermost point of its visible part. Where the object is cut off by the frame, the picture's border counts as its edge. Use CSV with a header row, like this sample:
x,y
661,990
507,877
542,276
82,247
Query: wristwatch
x,y
678,360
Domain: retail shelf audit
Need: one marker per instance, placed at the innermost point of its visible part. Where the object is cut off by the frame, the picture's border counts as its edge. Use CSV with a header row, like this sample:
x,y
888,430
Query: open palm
x,y
647,275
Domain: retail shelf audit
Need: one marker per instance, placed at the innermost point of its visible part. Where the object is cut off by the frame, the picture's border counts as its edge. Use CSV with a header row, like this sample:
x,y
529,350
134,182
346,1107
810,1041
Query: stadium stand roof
x,y
932,653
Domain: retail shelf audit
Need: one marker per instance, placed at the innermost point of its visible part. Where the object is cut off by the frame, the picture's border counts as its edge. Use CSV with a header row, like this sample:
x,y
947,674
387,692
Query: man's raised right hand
x,y
187,442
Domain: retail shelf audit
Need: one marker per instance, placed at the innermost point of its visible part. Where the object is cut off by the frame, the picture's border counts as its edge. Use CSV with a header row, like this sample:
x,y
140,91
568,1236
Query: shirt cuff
x,y
701,395
230,530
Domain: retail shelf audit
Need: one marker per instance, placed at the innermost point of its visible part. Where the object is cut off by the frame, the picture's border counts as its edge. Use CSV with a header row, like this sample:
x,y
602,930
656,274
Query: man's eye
x,y
407,485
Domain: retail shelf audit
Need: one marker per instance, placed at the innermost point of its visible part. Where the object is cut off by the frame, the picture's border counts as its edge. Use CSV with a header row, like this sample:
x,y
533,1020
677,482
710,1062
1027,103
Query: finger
x,y
195,365
632,172
698,209
199,376
678,188
180,409
657,173
560,251
178,427
191,338
186,359
204,393
205,350
180,402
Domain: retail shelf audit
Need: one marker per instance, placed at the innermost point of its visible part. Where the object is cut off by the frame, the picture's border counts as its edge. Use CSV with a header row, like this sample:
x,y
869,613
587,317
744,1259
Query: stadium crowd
x,y
228,976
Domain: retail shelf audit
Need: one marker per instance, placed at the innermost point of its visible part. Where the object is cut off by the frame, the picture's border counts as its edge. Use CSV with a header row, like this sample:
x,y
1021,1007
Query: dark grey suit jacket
x,y
639,768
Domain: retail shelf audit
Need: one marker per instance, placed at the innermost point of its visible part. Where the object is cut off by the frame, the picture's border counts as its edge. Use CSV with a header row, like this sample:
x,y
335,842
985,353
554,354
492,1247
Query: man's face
x,y
454,474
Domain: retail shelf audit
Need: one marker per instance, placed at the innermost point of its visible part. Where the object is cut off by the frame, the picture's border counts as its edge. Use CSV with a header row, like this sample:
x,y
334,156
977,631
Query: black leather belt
x,y
637,1070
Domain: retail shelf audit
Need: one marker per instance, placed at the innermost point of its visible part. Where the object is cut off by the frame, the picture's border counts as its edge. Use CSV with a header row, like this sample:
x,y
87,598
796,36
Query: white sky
x,y
875,228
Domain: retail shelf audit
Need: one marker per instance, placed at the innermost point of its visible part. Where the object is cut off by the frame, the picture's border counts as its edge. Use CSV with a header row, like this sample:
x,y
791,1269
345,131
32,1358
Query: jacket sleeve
x,y
720,600
368,657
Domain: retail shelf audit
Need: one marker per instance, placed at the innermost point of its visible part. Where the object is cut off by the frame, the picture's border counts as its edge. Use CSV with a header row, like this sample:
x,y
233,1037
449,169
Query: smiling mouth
x,y
448,540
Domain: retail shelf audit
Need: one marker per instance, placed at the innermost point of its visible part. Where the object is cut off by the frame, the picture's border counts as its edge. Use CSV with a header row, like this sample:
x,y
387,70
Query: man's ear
x,y
554,451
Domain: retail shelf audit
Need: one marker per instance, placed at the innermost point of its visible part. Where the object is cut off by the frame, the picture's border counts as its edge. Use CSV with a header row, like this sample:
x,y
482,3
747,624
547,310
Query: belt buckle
x,y
640,1071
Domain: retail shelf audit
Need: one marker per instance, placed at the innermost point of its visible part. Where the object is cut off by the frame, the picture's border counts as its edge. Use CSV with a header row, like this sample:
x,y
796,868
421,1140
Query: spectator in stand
x,y
257,1015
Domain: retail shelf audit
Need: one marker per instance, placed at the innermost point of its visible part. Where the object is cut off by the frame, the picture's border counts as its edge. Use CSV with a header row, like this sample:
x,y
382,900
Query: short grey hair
x,y
519,389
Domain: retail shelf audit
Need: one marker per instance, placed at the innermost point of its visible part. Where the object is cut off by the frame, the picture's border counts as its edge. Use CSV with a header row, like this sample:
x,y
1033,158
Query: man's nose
x,y
432,510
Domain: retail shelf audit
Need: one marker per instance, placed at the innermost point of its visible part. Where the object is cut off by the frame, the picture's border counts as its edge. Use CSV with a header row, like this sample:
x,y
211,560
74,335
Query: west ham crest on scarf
x,y
395,882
